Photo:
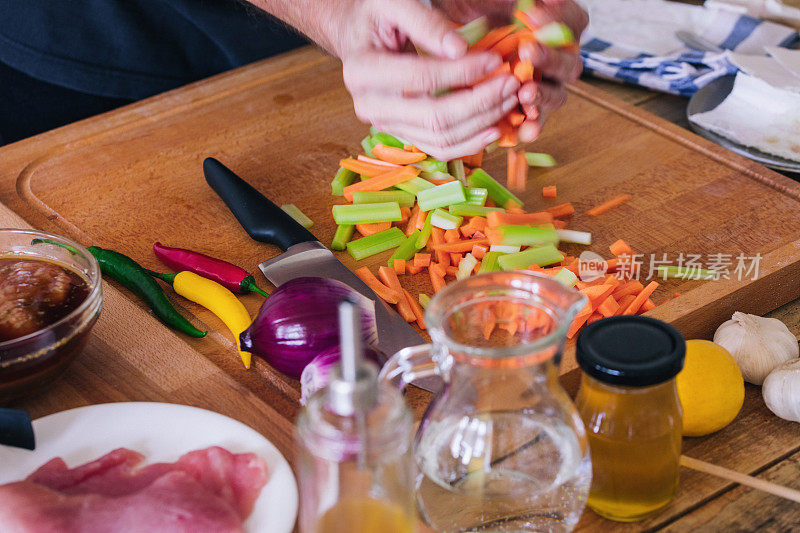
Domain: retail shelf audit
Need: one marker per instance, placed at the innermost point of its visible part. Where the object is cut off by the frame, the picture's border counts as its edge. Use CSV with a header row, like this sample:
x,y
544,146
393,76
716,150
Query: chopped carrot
x,y
411,268
594,317
367,159
419,314
400,266
608,307
558,211
492,38
634,306
422,260
438,269
398,156
451,270
421,217
559,224
620,248
605,206
549,191
451,235
362,167
624,302
372,228
384,293
515,118
437,281
405,214
459,246
489,323
496,218
478,235
437,237
523,70
474,225
647,305
389,278
382,181
411,227
479,250
474,160
508,134
455,259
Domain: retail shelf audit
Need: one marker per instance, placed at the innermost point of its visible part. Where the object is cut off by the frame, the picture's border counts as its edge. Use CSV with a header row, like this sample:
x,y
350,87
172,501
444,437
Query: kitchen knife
x,y
304,255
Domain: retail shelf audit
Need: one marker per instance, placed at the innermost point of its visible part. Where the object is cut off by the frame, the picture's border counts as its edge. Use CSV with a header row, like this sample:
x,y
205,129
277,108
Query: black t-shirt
x,y
135,48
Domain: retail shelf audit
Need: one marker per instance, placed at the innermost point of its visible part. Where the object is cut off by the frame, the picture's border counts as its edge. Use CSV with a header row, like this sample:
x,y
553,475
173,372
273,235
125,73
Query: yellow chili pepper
x,y
216,299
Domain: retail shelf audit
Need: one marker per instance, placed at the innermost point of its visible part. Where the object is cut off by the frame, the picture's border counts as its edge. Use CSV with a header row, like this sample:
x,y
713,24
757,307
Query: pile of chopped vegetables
x,y
453,220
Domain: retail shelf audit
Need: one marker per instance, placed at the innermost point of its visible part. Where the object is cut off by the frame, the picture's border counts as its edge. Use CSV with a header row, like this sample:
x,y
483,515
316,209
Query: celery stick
x,y
473,31
366,213
566,277
368,144
343,178
466,266
415,185
406,250
578,237
424,300
457,170
466,210
505,249
344,232
386,140
672,271
436,175
425,234
432,165
404,199
498,193
540,160
476,195
443,219
294,212
554,35
363,177
376,243
489,263
441,196
542,256
526,236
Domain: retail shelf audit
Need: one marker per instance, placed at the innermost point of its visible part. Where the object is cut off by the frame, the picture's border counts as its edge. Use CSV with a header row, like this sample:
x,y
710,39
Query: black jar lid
x,y
634,351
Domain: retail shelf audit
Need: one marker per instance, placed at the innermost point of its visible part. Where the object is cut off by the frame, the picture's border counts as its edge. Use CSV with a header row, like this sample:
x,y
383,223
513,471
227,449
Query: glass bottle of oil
x,y
355,465
629,404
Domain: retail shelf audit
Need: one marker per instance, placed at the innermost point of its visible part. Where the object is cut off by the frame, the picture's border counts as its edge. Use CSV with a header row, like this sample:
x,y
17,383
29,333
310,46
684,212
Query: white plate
x,y
161,432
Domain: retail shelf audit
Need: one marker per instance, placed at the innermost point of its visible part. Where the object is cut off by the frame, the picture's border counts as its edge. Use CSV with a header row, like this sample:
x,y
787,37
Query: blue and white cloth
x,y
633,41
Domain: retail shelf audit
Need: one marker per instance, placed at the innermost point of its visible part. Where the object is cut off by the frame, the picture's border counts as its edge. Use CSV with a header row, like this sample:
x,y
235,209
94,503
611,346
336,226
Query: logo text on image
x,y
591,266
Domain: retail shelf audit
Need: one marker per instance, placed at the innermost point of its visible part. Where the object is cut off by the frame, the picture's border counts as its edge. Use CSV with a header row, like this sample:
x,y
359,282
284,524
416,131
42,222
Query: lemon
x,y
710,387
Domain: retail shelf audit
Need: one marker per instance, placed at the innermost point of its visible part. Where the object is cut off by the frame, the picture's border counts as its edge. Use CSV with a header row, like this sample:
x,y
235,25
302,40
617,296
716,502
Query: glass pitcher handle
x,y
411,364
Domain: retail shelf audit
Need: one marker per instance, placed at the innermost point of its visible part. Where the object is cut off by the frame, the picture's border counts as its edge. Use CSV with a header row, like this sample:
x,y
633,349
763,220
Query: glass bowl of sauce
x,y
50,297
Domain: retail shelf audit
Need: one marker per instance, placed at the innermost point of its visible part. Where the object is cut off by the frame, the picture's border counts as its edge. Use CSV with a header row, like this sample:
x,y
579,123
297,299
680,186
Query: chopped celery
x,y
466,210
294,212
366,213
473,31
441,196
376,243
432,165
424,300
492,147
672,271
566,277
466,266
386,140
554,35
404,199
498,193
435,175
542,256
526,236
368,144
578,237
343,178
476,195
425,233
415,185
505,249
457,170
344,232
489,263
442,219
406,250
540,160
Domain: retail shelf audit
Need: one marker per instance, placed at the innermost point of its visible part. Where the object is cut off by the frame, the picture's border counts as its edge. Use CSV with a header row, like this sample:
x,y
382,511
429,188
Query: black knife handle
x,y
263,220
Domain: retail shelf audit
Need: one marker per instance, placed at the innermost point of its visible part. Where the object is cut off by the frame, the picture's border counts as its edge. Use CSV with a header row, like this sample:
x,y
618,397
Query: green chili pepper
x,y
133,276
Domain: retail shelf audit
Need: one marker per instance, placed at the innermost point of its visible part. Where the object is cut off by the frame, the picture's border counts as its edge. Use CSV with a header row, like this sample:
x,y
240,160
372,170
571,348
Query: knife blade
x,y
304,256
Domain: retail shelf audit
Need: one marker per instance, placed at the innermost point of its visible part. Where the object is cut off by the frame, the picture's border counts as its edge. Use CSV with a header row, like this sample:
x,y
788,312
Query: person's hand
x,y
557,67
393,88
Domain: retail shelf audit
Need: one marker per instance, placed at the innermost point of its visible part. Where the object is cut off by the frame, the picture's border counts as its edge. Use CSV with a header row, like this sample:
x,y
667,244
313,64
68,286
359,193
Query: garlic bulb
x,y
757,344
782,390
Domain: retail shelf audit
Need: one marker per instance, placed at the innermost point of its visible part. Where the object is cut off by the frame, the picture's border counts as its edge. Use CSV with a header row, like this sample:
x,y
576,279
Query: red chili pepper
x,y
235,279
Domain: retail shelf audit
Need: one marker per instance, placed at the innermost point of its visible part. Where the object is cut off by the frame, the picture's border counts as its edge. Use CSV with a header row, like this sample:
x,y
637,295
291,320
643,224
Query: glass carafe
x,y
501,447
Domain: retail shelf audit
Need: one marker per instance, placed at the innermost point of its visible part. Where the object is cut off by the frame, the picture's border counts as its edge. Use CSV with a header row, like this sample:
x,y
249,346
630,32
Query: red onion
x,y
318,372
300,320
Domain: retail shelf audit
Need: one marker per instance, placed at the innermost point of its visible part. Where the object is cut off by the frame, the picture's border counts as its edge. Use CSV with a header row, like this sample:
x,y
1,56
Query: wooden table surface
x,y
116,353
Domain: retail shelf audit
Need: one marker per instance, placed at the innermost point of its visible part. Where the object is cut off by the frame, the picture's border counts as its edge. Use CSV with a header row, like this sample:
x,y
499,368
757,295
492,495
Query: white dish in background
x,y
161,432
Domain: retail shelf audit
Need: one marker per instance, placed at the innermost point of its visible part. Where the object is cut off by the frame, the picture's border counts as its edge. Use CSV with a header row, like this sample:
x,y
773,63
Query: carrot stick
x,y
362,167
398,156
438,269
493,37
474,160
521,171
368,159
411,227
372,228
405,214
525,19
460,246
422,260
624,302
558,211
549,191
497,218
648,305
419,314
382,181
523,71
488,325
509,44
437,237
508,134
605,206
400,266
642,297
421,216
384,293
511,168
389,277
607,308
620,247
630,287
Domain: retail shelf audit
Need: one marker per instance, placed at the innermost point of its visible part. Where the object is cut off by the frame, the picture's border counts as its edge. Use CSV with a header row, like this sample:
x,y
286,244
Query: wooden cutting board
x,y
134,176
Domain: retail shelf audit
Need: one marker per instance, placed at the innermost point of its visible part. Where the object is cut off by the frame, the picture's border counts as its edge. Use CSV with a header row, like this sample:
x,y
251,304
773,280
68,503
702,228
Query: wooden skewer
x,y
742,479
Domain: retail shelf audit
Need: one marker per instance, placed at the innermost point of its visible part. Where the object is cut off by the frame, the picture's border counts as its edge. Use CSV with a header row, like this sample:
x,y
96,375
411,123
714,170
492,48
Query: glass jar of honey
x,y
629,404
